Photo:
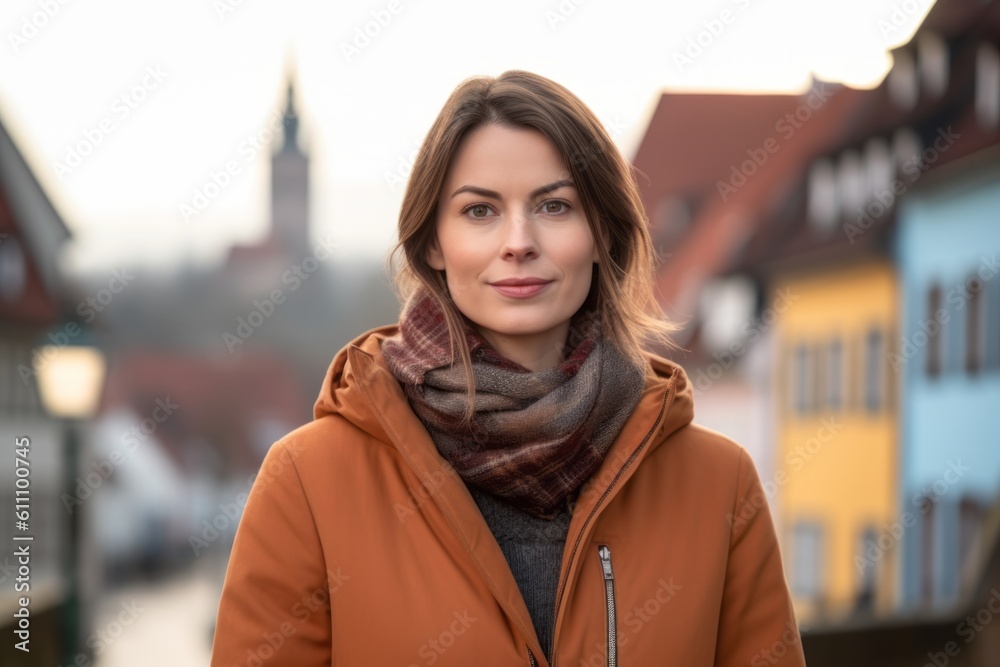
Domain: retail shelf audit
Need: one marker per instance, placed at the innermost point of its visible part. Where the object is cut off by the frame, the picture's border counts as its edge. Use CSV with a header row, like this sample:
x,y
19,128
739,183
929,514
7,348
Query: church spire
x,y
290,121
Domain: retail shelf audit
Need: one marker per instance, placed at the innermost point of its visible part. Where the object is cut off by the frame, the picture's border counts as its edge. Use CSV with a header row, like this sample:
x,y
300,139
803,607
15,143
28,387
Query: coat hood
x,y
360,387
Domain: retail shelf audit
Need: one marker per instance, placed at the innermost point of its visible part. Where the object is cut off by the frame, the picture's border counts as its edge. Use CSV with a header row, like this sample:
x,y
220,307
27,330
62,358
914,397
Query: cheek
x,y
577,251
464,255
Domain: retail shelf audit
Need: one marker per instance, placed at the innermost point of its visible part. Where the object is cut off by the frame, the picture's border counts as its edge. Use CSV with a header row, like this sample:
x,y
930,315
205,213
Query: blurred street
x,y
186,604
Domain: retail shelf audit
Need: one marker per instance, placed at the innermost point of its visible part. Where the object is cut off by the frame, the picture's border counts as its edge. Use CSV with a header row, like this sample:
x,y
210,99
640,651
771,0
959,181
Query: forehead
x,y
502,154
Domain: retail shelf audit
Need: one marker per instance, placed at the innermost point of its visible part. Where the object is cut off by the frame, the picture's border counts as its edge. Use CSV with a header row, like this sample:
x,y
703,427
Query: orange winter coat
x,y
360,546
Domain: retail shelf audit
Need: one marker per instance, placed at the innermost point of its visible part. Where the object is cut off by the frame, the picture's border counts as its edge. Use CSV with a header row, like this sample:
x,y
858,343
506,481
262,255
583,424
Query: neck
x,y
536,352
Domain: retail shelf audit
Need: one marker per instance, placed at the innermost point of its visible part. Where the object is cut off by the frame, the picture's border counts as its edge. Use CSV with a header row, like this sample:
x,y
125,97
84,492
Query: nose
x,y
519,240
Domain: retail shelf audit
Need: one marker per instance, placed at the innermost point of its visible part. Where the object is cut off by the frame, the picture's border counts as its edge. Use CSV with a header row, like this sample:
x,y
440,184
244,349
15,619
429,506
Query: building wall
x,y
837,437
949,242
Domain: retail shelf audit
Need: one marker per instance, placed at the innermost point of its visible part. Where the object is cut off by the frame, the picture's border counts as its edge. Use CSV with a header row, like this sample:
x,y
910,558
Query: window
x,y
891,381
928,511
835,375
874,367
801,385
932,331
851,185
869,563
906,147
818,377
973,322
807,560
852,386
991,317
878,172
822,194
903,82
987,85
954,331
970,525
933,55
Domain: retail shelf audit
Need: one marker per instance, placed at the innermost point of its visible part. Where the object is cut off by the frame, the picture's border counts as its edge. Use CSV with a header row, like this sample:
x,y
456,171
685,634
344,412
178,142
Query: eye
x,y
555,206
478,211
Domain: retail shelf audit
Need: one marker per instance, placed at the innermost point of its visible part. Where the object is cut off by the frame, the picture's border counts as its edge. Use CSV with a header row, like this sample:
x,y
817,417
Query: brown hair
x,y
622,291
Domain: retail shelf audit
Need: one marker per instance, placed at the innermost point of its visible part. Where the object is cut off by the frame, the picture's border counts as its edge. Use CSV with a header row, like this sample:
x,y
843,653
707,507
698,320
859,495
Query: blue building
x,y
948,248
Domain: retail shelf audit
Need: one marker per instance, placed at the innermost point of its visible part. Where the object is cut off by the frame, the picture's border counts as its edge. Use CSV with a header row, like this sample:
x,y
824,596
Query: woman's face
x,y
509,210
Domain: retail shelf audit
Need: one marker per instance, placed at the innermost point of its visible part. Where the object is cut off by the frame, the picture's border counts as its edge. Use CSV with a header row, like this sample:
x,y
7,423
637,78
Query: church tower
x,y
290,187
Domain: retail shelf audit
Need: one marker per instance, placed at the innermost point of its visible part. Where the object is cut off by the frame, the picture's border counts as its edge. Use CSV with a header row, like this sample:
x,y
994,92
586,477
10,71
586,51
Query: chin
x,y
516,327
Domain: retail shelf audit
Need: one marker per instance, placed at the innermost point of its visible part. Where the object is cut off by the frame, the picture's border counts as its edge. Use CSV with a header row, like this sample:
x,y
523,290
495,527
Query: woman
x,y
505,476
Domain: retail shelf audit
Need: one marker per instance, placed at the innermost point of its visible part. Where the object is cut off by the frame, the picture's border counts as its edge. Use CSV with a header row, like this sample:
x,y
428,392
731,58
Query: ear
x,y
435,258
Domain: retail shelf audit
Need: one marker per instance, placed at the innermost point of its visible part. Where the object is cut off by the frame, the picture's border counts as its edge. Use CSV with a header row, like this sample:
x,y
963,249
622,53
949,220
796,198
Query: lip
x,y
521,291
530,280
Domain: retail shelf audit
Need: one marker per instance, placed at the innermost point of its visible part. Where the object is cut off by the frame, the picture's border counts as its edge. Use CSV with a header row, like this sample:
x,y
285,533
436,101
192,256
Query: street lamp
x,y
69,383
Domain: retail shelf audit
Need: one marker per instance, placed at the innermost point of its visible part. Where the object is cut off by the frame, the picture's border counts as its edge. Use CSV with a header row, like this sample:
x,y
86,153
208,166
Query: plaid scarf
x,y
536,437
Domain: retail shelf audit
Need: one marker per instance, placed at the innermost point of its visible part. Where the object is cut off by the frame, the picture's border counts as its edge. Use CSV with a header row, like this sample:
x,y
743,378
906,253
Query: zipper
x,y
600,501
531,658
609,595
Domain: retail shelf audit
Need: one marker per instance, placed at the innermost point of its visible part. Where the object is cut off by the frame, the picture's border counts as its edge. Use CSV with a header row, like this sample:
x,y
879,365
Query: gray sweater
x,y
533,548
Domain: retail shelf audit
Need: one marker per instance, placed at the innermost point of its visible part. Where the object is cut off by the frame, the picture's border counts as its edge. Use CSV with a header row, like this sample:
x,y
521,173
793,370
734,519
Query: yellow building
x,y
836,463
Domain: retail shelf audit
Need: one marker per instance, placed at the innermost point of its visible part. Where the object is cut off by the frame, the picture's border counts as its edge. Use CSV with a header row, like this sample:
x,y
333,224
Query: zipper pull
x,y
605,554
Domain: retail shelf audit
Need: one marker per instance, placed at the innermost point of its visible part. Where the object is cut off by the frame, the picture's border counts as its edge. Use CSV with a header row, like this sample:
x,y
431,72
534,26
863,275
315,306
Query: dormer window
x,y
906,147
987,85
822,194
878,168
726,304
904,87
933,56
851,184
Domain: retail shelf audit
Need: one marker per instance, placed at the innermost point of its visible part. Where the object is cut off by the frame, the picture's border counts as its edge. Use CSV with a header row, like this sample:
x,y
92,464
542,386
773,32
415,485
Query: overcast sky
x,y
171,91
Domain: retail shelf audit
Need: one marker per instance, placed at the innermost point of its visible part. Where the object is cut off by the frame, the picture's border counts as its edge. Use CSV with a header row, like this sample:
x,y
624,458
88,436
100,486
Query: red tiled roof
x,y
221,397
694,145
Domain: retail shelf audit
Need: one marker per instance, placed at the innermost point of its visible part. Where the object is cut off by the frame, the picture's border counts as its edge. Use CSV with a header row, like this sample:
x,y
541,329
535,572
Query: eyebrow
x,y
538,192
